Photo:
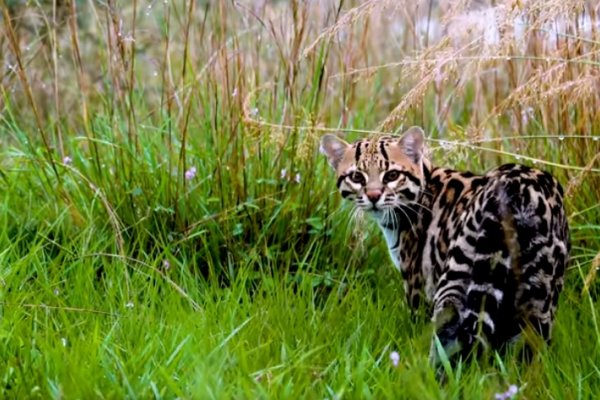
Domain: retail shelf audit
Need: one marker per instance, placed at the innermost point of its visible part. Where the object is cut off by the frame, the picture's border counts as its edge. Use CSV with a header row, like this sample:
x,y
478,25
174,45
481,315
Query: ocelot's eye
x,y
357,177
391,176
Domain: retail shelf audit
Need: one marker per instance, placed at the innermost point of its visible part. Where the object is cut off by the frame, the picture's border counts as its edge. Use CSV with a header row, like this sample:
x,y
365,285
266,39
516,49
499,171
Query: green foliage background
x,y
120,278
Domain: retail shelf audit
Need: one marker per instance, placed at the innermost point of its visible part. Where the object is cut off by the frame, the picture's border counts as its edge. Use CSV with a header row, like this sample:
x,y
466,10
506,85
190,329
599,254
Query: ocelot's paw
x,y
451,340
450,350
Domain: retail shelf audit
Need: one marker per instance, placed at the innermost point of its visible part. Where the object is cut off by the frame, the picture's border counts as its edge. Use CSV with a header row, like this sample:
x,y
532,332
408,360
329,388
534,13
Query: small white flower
x,y
234,93
283,174
67,160
63,341
166,265
129,304
395,358
254,112
297,178
56,292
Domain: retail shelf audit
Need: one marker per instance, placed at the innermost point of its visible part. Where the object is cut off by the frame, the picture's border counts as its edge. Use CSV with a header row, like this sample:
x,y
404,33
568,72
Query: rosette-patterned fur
x,y
486,252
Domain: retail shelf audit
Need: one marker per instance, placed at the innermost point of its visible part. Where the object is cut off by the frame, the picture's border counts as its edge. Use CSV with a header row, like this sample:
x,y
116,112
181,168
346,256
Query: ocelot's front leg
x,y
405,262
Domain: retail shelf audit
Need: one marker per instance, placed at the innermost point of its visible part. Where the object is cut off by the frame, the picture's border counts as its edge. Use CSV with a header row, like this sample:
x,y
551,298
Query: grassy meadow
x,y
168,228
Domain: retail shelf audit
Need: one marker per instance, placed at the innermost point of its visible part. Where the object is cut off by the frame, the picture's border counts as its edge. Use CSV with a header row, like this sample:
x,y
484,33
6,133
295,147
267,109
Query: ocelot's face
x,y
380,174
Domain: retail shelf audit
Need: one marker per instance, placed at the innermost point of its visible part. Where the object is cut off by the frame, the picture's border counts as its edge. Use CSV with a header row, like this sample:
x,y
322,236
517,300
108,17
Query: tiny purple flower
x,y
297,178
190,173
67,160
526,115
166,265
395,358
283,174
509,394
512,390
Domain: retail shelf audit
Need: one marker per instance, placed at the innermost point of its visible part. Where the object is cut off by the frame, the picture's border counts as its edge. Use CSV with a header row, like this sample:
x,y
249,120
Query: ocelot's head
x,y
378,174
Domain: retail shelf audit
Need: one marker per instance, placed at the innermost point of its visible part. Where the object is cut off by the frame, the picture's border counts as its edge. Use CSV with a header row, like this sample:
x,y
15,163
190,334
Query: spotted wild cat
x,y
486,252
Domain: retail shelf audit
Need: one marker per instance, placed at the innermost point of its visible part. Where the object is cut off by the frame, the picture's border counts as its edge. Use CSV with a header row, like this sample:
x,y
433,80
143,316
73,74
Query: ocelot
x,y
486,252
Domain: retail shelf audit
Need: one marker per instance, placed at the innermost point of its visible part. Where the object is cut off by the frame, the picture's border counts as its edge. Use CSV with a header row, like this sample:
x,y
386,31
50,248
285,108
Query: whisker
x,y
395,224
356,215
412,227
414,203
425,191
389,217
353,214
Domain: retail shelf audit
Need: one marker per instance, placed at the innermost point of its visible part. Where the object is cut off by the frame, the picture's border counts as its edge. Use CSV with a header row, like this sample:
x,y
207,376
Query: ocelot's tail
x,y
509,228
490,297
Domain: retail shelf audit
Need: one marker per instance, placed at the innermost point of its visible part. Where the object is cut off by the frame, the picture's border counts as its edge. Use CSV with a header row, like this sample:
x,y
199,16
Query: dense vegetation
x,y
168,228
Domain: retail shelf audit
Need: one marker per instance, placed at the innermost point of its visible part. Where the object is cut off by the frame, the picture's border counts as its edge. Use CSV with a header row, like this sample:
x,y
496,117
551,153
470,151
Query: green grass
x,y
138,330
120,278
170,333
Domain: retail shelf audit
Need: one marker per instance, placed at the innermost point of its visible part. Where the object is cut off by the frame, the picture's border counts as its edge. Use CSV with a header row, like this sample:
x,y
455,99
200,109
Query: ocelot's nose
x,y
374,195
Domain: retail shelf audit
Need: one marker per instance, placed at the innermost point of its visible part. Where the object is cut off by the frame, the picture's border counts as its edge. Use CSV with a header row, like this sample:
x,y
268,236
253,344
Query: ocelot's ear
x,y
333,147
412,143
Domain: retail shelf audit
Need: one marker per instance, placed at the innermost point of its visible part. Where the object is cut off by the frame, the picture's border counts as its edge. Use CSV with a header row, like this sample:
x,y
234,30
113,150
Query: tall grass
x,y
168,229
